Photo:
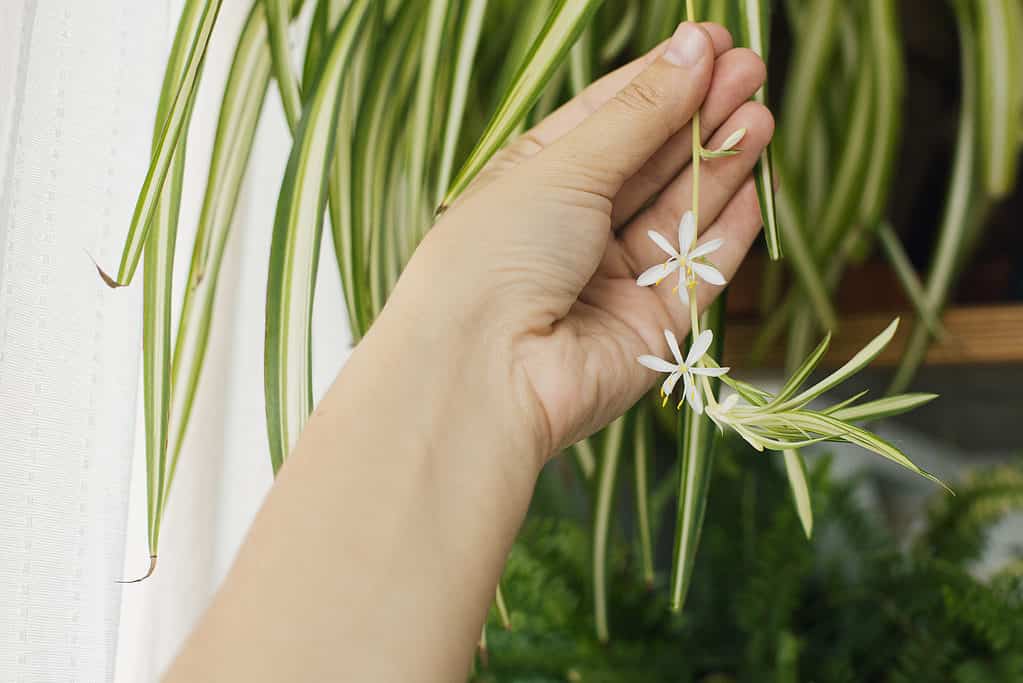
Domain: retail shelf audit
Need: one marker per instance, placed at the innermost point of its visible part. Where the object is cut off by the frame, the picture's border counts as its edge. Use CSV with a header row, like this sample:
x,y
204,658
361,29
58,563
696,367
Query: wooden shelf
x,y
975,335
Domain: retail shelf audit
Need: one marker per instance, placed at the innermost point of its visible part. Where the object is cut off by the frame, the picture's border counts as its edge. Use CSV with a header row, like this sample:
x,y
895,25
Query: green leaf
x,y
851,367
278,15
294,250
641,454
883,407
696,457
795,471
244,95
801,259
960,202
889,77
564,25
180,83
999,93
911,285
801,373
468,41
755,24
602,522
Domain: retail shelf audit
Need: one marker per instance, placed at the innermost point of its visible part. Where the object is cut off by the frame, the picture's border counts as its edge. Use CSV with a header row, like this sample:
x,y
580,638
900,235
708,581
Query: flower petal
x,y
729,402
710,372
669,384
673,345
657,364
708,273
686,232
662,242
708,247
693,395
732,140
683,290
699,347
654,274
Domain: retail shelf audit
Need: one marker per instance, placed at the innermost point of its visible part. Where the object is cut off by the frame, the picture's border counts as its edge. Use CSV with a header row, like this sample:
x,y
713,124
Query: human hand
x,y
533,270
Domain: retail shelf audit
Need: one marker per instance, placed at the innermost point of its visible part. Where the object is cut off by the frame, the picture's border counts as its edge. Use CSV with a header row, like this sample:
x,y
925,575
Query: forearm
x,y
385,532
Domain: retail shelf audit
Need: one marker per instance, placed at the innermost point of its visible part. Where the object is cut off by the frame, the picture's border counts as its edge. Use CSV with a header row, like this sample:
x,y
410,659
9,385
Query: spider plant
x,y
395,107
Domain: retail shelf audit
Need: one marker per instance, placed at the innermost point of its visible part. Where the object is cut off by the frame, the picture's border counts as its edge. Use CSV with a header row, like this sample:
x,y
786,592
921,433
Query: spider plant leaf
x,y
999,94
831,410
621,33
580,61
889,76
657,22
832,426
550,48
380,120
326,16
188,51
960,202
606,483
755,27
911,285
468,40
641,456
795,472
502,609
585,458
809,63
294,251
752,394
851,367
244,94
802,261
801,373
278,18
883,407
696,458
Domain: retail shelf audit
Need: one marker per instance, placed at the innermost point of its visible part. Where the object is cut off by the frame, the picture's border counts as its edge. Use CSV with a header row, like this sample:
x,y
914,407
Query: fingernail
x,y
687,46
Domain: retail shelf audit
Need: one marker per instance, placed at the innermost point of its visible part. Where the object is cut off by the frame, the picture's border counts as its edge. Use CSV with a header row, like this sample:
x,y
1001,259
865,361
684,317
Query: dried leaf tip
x,y
149,572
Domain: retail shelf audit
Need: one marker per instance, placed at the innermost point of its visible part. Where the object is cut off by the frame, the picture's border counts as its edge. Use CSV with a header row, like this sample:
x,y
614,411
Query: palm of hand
x,y
597,175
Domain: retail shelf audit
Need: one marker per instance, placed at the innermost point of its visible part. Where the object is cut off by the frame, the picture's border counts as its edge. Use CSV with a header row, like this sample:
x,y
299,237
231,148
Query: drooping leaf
x,y
564,25
602,522
294,251
187,56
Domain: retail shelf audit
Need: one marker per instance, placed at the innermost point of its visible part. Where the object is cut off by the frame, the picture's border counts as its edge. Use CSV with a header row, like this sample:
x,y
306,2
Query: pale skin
x,y
512,333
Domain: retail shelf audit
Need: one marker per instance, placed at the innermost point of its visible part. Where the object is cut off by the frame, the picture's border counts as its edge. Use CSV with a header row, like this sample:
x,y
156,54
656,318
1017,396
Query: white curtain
x,y
78,88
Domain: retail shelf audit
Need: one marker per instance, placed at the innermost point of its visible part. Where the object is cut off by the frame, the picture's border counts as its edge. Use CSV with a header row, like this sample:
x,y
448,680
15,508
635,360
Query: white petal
x,y
686,232
729,402
662,242
654,274
710,372
673,345
669,384
732,140
683,291
699,347
708,247
693,396
708,273
657,364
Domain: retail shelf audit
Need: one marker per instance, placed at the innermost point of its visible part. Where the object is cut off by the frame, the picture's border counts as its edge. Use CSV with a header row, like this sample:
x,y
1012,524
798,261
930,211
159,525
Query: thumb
x,y
614,142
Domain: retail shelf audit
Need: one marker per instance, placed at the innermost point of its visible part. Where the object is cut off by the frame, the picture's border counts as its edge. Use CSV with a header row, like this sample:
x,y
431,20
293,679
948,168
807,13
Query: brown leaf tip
x,y
152,568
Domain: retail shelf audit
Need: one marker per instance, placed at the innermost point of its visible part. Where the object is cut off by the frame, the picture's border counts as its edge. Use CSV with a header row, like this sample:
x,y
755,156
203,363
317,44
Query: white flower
x,y
689,257
685,369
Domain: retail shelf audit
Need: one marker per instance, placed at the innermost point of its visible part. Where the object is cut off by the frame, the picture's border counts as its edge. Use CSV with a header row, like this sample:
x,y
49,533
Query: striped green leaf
x,y
696,458
641,460
883,407
603,509
755,23
278,17
244,95
550,48
911,285
294,250
187,55
795,472
801,259
999,91
960,202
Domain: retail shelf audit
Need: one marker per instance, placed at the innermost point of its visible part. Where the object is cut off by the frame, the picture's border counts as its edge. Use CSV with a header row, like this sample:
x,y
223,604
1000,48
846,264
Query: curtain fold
x,y
78,90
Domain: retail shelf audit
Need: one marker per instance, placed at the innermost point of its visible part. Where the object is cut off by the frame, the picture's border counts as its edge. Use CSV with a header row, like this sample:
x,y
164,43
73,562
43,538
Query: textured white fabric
x,y
78,88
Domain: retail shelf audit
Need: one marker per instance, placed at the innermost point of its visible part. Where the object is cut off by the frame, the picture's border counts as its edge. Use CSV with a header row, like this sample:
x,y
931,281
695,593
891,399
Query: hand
x,y
535,266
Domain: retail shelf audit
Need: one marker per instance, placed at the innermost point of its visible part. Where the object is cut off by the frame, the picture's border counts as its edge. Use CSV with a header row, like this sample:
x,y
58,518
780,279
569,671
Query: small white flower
x,y
727,147
685,369
689,260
